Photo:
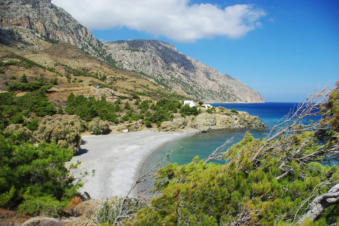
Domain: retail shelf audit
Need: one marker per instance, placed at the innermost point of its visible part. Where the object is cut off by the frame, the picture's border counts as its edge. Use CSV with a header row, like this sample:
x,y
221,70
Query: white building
x,y
190,103
207,106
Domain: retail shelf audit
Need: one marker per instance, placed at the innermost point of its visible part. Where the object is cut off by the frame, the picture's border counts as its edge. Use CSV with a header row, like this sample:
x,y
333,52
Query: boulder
x,y
174,125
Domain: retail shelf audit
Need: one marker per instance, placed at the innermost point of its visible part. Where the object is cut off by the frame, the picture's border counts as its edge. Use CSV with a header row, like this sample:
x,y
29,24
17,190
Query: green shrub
x,y
111,209
98,126
234,111
34,178
23,79
89,108
45,205
64,130
187,110
13,109
31,86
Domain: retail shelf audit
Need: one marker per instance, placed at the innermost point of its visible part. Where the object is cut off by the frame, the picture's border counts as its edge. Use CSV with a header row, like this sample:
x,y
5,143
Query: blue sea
x,y
202,144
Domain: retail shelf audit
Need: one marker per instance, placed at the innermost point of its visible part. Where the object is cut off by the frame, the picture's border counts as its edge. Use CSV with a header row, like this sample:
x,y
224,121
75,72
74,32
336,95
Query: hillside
x,y
29,25
175,71
76,72
29,21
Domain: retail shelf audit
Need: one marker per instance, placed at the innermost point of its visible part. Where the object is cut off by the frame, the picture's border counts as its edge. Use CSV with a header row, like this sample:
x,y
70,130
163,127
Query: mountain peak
x,y
171,69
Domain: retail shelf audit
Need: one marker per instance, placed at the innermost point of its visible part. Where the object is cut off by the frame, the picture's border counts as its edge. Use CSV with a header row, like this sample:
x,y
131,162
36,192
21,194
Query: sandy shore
x,y
115,160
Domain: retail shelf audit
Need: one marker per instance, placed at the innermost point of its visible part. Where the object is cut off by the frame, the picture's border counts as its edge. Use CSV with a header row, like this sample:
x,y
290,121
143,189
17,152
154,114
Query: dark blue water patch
x,y
270,113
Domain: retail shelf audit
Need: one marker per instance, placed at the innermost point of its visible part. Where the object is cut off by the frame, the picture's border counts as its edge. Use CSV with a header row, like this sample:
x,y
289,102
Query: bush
x,y
23,79
89,108
234,111
13,109
31,86
45,205
111,209
187,110
97,126
64,130
34,178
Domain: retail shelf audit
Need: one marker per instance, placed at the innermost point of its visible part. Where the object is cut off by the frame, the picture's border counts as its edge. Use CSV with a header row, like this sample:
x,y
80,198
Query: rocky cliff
x,y
161,62
31,20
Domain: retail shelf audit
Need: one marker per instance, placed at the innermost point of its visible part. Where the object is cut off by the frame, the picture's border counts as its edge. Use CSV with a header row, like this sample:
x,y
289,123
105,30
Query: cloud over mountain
x,y
175,19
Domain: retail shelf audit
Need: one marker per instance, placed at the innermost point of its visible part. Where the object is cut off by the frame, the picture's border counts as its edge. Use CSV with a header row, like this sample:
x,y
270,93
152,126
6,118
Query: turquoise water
x,y
203,144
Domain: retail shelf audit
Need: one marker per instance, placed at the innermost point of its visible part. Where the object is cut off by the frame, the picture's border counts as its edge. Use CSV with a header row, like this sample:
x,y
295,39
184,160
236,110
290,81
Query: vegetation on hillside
x,y
148,111
15,110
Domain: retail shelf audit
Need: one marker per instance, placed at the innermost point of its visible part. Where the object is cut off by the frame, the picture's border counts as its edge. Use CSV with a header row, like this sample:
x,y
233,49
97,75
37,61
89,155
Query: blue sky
x,y
289,51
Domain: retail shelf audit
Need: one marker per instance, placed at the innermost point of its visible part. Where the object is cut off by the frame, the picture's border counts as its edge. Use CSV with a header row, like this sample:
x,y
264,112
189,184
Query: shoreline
x,y
113,161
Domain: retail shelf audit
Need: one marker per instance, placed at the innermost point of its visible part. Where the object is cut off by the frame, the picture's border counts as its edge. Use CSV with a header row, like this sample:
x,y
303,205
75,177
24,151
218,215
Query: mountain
x,y
30,24
162,62
29,21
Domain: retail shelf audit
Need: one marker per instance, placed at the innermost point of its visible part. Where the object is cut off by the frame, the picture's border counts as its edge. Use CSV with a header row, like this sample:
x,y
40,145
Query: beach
x,y
112,161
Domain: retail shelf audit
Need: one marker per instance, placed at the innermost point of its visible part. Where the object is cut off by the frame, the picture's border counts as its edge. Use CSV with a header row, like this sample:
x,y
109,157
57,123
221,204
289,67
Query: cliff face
x,y
161,62
30,20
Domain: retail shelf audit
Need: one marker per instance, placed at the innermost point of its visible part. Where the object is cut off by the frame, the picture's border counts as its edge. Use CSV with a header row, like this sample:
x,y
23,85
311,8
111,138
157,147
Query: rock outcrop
x,y
220,120
173,70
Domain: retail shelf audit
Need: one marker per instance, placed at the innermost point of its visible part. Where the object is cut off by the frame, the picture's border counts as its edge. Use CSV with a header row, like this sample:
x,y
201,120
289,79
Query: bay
x,y
203,144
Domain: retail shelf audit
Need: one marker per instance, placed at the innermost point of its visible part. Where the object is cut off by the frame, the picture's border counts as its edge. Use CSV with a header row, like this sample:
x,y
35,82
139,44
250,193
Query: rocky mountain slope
x,y
28,21
168,67
30,24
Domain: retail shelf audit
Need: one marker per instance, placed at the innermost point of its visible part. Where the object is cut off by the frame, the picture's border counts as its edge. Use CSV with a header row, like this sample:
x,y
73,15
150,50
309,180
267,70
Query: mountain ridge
x,y
179,72
28,23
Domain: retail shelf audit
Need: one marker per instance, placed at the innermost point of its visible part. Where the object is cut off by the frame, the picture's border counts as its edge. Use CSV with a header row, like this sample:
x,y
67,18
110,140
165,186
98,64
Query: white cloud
x,y
174,19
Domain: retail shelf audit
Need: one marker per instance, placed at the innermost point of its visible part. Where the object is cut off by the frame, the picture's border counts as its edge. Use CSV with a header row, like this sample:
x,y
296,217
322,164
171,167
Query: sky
x,y
284,49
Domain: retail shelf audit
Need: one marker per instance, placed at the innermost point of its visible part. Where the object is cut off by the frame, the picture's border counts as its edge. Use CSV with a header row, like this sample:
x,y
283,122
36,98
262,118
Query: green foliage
x,y
34,178
110,210
89,108
211,110
202,193
31,86
54,81
97,127
46,205
331,109
234,111
23,79
187,110
162,111
33,124
13,109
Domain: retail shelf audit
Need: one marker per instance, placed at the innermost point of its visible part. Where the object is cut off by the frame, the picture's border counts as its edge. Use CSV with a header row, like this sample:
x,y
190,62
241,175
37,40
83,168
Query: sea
x,y
203,144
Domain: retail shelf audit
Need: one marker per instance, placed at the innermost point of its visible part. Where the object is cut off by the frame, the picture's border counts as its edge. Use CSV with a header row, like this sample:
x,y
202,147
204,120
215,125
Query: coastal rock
x,y
206,121
63,129
176,124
